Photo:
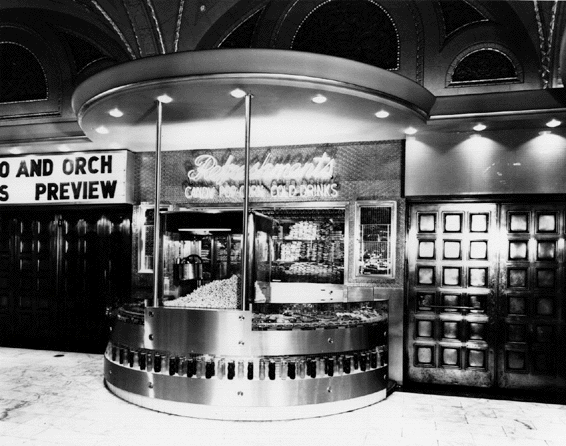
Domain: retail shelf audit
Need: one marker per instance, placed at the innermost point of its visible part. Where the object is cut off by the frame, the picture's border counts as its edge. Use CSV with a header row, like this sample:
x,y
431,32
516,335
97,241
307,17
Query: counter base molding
x,y
212,364
247,413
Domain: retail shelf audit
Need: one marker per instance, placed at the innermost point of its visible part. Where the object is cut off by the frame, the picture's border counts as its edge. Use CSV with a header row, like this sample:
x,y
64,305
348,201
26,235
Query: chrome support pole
x,y
245,223
156,219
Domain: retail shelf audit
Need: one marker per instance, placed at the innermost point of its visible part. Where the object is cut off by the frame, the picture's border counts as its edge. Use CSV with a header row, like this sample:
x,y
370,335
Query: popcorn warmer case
x,y
219,348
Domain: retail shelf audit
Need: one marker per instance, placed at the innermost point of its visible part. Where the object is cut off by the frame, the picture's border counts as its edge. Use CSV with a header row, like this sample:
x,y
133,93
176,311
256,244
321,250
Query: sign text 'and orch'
x,y
94,178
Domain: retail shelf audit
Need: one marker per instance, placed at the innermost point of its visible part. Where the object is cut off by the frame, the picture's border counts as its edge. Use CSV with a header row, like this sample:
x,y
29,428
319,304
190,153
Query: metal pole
x,y
245,272
156,220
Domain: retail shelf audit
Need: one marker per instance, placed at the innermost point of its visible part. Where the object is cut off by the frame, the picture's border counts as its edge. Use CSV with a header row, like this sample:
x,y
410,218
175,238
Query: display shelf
x,y
318,315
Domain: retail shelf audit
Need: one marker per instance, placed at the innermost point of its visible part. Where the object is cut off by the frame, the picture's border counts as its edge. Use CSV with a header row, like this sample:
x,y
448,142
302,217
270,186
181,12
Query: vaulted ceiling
x,y
457,49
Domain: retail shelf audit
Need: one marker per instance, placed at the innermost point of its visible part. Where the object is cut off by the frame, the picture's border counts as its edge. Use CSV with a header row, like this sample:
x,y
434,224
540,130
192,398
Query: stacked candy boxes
x,y
316,251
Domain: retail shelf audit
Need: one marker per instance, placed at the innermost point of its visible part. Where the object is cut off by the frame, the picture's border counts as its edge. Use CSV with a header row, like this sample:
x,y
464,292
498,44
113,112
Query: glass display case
x,y
202,258
375,238
309,245
318,316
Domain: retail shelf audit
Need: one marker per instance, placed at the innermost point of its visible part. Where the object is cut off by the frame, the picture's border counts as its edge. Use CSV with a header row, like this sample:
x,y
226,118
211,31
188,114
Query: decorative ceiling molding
x,y
41,48
178,25
157,28
23,78
252,19
456,15
489,78
115,27
126,4
420,47
332,16
546,38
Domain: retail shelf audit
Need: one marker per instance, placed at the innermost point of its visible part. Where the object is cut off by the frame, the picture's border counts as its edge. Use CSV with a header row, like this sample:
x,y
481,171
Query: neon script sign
x,y
211,179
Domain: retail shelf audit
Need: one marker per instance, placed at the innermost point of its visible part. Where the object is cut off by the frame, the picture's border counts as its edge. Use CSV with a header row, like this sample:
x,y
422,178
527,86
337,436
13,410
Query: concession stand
x,y
267,268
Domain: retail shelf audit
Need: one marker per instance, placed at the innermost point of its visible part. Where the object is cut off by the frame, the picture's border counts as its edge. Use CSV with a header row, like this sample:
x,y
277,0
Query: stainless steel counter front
x,y
215,358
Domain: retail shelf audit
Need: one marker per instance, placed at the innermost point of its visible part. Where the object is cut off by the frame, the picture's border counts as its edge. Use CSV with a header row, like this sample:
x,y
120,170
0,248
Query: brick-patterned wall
x,y
364,171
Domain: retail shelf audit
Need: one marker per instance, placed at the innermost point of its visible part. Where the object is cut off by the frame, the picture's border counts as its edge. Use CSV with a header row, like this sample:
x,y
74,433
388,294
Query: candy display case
x,y
309,245
375,238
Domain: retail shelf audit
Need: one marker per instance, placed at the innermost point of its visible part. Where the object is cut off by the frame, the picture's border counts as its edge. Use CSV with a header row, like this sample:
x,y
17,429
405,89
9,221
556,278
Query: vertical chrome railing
x,y
156,219
245,222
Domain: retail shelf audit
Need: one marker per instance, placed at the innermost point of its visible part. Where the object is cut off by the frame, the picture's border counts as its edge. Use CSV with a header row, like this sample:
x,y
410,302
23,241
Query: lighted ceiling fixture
x,y
319,99
479,127
553,123
15,150
63,148
102,130
545,132
237,93
116,113
410,131
382,114
164,99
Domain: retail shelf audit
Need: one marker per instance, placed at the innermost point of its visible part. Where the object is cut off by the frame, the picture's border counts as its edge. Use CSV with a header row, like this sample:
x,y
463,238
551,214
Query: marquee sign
x,y
93,177
210,179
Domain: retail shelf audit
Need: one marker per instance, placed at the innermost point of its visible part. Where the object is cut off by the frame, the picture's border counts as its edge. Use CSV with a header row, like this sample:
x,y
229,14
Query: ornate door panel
x,y
34,302
95,264
452,272
6,280
532,343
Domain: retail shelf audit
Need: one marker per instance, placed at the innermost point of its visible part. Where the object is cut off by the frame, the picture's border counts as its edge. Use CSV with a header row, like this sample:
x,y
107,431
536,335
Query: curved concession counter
x,y
276,359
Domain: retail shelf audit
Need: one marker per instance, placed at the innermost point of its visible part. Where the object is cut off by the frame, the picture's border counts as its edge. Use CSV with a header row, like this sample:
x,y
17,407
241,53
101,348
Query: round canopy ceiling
x,y
117,107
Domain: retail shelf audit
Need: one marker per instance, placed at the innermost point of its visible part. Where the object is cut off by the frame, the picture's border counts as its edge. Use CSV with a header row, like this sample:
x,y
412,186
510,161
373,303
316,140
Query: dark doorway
x,y
61,271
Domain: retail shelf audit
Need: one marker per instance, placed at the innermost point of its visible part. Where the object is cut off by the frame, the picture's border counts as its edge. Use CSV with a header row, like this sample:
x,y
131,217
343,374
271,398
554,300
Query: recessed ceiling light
x,y
102,130
237,93
410,131
479,127
545,132
319,99
15,150
553,123
63,148
164,99
382,114
116,113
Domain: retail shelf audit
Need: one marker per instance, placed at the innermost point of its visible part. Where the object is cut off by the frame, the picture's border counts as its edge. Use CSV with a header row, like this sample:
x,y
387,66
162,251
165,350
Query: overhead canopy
x,y
203,114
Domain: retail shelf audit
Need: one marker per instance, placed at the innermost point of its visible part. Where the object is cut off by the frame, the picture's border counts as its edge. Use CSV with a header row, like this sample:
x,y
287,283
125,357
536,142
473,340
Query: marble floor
x,y
58,398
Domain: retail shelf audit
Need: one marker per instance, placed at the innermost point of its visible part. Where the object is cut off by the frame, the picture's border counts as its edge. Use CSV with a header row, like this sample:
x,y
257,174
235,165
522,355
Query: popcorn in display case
x,y
202,258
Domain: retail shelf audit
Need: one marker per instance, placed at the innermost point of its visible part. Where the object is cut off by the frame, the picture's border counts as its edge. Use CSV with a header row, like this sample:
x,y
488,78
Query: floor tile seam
x,y
493,429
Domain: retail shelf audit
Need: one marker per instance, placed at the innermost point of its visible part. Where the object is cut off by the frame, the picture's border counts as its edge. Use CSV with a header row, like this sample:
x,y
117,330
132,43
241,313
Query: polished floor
x,y
58,398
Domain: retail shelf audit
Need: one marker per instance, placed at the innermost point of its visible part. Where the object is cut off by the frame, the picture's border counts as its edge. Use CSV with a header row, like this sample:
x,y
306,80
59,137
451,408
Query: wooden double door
x,y
60,271
486,302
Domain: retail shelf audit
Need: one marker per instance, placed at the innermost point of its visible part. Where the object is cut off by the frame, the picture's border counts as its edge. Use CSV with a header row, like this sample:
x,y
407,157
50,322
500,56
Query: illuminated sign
x,y
210,179
58,178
